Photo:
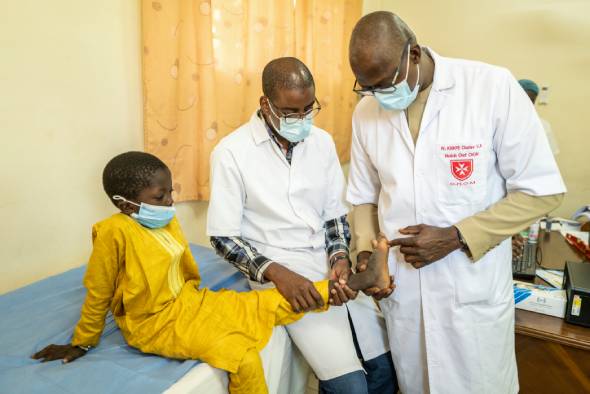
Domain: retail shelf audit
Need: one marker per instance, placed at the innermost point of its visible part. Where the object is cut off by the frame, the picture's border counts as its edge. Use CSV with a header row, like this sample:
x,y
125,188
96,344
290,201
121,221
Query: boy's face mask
x,y
151,216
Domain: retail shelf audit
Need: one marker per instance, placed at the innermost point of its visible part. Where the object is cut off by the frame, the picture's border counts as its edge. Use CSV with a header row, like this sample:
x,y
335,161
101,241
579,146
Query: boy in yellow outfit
x,y
142,269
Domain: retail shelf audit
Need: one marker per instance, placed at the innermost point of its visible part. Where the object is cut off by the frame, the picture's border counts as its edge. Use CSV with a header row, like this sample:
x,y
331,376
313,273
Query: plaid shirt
x,y
251,263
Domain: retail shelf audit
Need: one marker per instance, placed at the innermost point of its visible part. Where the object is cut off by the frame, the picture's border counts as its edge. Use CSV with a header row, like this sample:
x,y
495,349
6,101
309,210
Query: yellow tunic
x,y
150,282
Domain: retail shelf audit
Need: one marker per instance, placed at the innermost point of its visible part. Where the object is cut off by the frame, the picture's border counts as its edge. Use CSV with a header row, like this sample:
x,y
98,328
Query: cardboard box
x,y
540,299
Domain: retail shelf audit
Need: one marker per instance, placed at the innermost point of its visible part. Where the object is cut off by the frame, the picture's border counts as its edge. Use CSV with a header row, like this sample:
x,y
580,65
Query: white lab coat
x,y
550,137
281,209
451,323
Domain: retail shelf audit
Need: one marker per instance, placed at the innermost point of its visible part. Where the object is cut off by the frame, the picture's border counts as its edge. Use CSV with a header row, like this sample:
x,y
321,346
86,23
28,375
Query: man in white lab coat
x,y
277,212
453,157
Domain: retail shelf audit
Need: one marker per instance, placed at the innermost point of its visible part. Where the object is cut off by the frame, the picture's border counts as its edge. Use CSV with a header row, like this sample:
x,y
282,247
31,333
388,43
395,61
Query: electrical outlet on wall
x,y
543,98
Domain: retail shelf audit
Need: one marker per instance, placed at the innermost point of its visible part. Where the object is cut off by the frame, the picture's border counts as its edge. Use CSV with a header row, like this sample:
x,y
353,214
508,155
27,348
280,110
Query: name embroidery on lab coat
x,y
462,160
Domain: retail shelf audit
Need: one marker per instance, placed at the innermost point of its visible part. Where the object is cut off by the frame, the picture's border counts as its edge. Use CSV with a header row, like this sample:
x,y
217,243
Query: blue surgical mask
x,y
151,216
400,96
293,132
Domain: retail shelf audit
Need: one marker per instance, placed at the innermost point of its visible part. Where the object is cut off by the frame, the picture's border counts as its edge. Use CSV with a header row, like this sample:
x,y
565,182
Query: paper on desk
x,y
553,277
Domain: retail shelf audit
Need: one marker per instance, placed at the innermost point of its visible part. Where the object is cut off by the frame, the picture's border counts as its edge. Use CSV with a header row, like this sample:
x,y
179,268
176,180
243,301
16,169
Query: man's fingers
x,y
350,294
335,294
295,305
333,275
311,302
384,293
412,258
343,277
342,294
312,297
409,241
303,303
371,291
316,296
334,299
411,230
408,250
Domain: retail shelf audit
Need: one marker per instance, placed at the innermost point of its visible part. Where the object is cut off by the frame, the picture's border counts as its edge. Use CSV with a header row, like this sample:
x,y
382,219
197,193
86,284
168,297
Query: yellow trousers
x,y
249,379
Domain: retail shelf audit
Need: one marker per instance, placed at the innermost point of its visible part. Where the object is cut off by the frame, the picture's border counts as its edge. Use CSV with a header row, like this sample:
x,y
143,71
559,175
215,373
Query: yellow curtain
x,y
202,63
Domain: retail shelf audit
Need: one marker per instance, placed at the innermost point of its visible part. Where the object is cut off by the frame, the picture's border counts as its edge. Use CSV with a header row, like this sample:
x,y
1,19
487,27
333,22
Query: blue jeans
x,y
379,379
350,383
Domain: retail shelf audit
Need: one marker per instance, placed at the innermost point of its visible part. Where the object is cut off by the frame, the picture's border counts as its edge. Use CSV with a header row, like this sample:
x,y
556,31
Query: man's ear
x,y
415,54
264,105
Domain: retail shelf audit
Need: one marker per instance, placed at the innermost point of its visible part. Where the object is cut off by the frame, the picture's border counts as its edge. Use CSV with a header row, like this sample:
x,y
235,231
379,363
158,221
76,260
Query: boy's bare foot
x,y
378,262
377,273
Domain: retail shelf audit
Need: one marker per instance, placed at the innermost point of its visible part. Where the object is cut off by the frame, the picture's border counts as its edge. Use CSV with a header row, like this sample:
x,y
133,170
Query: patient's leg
x,y
250,376
377,273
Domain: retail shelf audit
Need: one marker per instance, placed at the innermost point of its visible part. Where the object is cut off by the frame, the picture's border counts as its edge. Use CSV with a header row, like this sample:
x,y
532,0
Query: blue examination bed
x,y
46,312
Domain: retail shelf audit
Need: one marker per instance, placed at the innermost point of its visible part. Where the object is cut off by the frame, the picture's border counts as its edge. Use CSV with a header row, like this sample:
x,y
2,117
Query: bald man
x,y
277,213
452,156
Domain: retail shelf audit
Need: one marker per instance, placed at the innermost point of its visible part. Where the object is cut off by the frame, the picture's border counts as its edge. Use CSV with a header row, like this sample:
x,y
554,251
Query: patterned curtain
x,y
202,64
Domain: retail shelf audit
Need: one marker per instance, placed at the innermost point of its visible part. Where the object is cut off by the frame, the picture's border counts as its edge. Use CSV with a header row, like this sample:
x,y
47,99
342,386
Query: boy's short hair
x,y
129,173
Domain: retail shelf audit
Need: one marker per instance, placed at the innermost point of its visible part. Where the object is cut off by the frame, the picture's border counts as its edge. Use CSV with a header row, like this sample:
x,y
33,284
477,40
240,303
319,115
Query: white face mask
x,y
400,96
151,216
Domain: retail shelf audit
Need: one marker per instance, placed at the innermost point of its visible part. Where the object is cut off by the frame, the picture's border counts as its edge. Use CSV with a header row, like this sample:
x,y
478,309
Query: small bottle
x,y
533,233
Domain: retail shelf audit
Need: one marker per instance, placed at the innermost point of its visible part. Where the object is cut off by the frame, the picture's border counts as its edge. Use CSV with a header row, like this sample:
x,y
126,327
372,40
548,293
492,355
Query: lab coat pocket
x,y
473,282
461,173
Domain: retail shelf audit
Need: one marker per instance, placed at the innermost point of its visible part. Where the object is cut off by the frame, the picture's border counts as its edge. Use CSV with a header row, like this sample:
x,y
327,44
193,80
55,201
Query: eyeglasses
x,y
370,90
293,117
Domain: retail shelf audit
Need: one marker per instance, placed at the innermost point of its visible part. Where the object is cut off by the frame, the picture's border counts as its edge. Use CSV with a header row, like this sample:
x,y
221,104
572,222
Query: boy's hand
x,y
297,290
66,353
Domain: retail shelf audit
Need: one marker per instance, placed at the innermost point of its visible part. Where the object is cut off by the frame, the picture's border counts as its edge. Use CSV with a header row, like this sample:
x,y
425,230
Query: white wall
x,y
70,100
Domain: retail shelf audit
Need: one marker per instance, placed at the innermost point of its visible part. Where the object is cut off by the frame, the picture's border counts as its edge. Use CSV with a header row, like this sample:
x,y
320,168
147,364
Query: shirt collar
x,y
258,127
443,78
262,132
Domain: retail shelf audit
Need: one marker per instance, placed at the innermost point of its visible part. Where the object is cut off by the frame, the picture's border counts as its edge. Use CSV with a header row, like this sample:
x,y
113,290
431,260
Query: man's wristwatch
x,y
85,348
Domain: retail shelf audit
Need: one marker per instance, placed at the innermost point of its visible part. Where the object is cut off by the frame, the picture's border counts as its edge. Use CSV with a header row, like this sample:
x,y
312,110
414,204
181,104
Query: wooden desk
x,y
552,355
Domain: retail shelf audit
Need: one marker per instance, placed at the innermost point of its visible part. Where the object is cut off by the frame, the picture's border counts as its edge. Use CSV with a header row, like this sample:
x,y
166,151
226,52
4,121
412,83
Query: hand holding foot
x,y
376,274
